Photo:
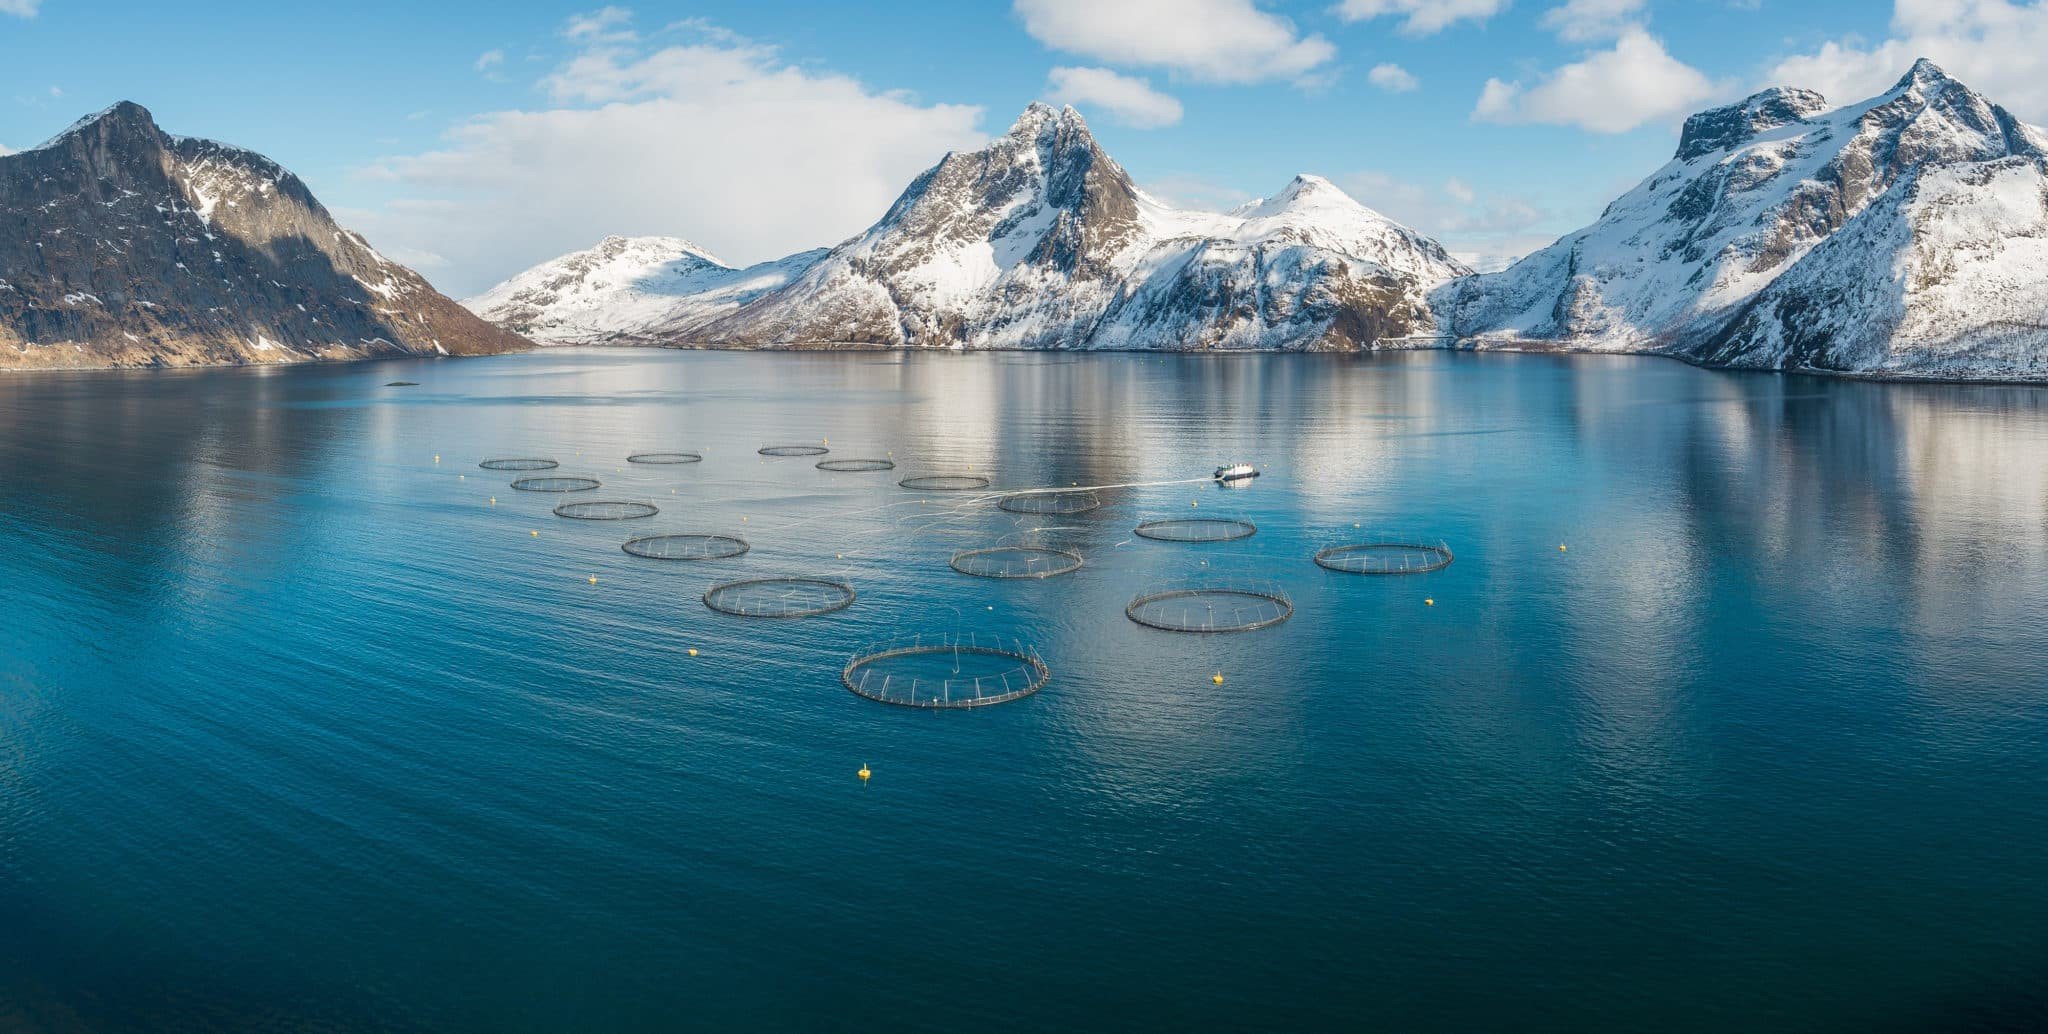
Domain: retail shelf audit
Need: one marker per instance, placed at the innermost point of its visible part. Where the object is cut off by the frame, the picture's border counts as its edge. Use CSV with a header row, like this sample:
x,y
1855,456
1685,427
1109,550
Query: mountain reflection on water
x,y
301,724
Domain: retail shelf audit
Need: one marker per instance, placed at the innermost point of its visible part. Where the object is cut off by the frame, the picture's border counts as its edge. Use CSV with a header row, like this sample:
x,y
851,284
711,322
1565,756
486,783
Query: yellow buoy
x,y
593,579
693,651
536,534
494,500
1429,602
437,457
462,477
864,773
1194,502
1560,547
1217,678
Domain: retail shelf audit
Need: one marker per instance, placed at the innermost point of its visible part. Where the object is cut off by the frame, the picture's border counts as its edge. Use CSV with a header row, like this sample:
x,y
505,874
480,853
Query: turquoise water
x,y
300,730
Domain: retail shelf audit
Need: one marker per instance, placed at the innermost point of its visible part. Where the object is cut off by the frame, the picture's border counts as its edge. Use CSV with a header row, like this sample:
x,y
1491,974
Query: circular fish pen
x,y
856,466
946,672
793,450
779,597
1210,609
1196,529
1016,562
686,547
664,459
1386,558
1058,504
606,511
555,484
519,463
944,483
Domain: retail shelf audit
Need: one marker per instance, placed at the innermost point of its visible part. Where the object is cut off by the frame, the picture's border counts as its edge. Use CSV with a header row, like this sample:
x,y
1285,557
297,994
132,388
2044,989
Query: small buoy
x,y
494,500
462,477
1217,678
1194,502
991,606
593,579
437,457
743,520
536,534
1429,602
1560,547
693,651
864,773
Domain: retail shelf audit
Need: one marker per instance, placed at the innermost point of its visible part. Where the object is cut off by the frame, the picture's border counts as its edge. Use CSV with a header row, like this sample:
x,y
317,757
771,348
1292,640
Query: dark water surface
x,y
299,730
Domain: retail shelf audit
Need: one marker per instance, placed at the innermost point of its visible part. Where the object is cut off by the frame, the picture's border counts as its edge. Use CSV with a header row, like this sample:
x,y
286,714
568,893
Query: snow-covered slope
x,y
1039,240
1898,236
628,290
129,246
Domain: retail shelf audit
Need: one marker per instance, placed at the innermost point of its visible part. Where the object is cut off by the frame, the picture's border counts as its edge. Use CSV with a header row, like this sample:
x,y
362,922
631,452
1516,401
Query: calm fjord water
x,y
299,730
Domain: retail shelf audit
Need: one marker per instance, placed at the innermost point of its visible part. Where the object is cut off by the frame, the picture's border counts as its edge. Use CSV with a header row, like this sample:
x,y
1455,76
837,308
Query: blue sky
x,y
473,139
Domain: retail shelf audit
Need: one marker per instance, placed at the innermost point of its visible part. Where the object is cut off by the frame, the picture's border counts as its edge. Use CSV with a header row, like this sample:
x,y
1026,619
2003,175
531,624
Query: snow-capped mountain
x,y
133,247
628,290
1039,240
1906,235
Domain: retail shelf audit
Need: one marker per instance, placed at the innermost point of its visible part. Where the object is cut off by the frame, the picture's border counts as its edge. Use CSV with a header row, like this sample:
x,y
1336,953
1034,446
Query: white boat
x,y
1236,472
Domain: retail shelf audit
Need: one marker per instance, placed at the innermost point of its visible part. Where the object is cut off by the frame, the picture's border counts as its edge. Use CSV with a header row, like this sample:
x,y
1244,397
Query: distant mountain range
x,y
1039,240
126,246
1904,236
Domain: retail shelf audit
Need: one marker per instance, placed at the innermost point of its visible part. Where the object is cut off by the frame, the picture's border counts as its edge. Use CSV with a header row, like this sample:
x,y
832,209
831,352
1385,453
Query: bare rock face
x,y
1039,240
121,245
1902,236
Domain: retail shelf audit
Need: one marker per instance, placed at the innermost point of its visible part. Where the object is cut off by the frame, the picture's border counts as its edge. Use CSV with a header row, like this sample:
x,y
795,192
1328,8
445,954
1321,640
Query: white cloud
x,y
1128,100
489,59
604,25
1199,193
1584,21
1223,41
1420,17
1611,91
720,141
1481,229
1993,45
20,8
1392,78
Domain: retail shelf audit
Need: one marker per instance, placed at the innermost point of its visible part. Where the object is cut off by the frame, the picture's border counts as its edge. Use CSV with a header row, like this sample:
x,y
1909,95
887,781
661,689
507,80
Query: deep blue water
x,y
299,730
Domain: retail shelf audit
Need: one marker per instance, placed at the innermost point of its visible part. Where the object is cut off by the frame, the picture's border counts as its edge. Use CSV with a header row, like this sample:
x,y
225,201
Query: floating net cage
x,y
1196,529
694,546
856,466
1016,562
1211,609
1389,557
606,511
780,597
945,483
664,459
555,484
1054,503
947,671
402,384
519,464
793,450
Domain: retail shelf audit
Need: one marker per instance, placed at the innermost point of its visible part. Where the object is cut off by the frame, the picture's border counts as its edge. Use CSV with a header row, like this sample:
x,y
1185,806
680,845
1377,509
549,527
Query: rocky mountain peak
x,y
1925,76
1718,129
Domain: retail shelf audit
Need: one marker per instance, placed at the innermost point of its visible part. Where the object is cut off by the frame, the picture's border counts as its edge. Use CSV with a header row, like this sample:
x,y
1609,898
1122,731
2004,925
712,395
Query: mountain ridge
x,y
1737,252
1041,239
136,247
